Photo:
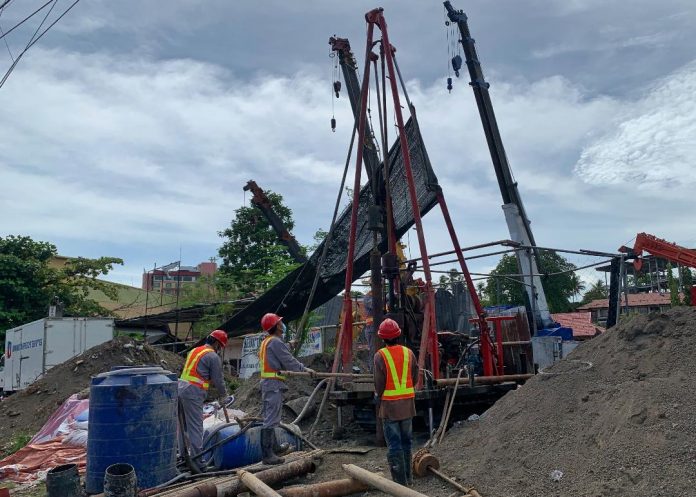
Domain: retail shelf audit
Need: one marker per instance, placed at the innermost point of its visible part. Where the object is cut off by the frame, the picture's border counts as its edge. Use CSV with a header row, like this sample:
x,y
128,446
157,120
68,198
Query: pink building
x,y
167,280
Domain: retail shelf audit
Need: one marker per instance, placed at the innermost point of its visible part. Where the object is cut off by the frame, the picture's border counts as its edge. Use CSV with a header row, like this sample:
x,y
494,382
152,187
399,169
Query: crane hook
x,y
449,85
333,124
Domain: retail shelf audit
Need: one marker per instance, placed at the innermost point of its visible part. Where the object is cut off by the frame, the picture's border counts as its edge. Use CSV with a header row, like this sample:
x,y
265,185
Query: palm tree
x,y
577,285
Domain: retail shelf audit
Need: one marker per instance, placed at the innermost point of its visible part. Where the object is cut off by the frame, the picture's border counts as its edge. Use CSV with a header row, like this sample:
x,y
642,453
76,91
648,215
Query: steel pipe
x,y
256,485
232,486
486,380
270,476
380,482
334,488
326,375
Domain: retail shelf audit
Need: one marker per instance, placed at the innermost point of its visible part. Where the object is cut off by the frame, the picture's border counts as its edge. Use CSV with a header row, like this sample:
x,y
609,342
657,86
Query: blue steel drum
x,y
133,420
246,448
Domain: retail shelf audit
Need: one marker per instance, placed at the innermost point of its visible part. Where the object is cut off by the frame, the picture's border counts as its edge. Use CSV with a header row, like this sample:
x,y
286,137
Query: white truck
x,y
34,348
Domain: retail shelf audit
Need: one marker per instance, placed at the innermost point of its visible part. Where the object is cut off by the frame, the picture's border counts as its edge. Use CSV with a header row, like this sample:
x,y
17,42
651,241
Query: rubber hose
x,y
305,409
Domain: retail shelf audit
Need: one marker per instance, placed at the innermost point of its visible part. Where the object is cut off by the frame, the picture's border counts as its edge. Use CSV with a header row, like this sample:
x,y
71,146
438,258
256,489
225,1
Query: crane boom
x,y
659,248
513,208
261,201
349,68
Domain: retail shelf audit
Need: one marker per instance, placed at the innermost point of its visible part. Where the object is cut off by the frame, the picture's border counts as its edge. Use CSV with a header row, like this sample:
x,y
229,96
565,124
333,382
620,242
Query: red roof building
x,y
580,322
637,302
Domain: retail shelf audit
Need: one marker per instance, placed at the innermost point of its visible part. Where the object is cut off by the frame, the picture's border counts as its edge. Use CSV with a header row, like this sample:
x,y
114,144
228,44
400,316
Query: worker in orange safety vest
x,y
274,356
203,366
395,374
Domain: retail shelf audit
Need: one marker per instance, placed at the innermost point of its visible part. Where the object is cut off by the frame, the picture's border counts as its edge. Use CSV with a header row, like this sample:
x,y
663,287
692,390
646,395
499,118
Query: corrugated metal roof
x,y
634,300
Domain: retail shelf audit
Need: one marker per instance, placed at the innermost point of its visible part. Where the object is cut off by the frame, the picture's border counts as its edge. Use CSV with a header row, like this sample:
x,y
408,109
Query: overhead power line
x,y
34,39
26,18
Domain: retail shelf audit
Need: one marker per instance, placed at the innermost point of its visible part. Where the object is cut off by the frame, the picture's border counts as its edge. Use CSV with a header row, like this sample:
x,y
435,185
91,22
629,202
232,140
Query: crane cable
x,y
329,236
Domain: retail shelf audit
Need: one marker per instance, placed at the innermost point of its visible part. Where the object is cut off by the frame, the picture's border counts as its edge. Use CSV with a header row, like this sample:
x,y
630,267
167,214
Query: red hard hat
x,y
268,321
389,329
220,336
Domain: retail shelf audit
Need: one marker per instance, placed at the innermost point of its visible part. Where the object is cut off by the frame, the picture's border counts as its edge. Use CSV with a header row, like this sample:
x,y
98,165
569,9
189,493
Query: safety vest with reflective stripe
x,y
399,380
266,370
190,372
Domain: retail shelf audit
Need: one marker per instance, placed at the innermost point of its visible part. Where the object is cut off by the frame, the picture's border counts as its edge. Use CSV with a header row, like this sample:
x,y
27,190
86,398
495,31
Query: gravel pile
x,y
615,418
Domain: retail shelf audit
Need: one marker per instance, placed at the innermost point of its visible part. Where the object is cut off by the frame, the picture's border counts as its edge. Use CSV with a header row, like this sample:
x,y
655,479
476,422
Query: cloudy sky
x,y
131,127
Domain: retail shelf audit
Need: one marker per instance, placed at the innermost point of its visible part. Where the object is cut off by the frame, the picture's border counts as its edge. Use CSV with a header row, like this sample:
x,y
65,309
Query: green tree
x,y
598,290
687,280
28,283
252,257
673,285
447,281
504,289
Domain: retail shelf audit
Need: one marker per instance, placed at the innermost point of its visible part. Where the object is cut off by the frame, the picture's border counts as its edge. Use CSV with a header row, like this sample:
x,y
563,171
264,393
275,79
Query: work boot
x,y
267,443
408,466
397,468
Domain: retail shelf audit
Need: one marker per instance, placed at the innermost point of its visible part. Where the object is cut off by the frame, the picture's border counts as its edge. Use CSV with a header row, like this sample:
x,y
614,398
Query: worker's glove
x,y
310,371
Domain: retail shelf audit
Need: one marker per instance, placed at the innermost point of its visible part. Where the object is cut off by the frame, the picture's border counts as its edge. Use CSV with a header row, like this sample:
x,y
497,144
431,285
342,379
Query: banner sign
x,y
250,351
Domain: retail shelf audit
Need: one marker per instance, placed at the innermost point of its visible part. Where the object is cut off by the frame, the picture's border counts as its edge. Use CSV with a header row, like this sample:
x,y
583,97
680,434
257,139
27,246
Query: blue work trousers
x,y
399,435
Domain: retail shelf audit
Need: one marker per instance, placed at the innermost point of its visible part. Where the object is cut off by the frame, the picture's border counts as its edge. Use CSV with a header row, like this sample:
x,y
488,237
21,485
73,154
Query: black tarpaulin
x,y
289,296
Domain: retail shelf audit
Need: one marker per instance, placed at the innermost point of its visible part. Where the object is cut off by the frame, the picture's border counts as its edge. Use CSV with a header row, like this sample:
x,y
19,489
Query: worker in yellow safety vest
x,y
395,374
203,366
274,356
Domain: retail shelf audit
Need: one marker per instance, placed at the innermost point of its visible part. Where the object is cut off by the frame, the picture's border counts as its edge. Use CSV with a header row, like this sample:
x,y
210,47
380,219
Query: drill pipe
x,y
230,487
256,485
334,488
380,482
486,380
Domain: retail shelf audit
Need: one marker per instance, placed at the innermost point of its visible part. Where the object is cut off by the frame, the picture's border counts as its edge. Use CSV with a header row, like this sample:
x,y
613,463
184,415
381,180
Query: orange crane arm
x,y
659,248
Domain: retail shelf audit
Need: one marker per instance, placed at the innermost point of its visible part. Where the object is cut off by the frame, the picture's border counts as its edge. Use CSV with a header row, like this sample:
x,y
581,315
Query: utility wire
x,y
55,2
2,9
26,18
35,39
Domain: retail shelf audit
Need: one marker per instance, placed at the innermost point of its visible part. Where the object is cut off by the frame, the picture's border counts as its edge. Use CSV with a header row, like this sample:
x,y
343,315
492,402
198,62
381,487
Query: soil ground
x,y
616,418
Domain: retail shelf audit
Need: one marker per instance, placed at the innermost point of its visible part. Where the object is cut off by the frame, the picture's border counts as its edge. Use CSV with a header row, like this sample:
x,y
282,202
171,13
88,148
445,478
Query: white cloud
x,y
151,154
652,146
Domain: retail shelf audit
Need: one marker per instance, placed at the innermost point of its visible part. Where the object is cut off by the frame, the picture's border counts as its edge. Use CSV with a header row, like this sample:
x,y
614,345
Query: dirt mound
x,y
617,417
27,411
248,394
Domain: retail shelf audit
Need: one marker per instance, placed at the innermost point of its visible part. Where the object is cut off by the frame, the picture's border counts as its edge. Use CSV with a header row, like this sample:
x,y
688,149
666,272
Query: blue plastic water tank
x,y
132,419
245,449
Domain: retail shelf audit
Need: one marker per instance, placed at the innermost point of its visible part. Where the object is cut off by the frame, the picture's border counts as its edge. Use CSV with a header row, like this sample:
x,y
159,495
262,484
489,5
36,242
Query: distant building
x,y
580,323
166,281
637,302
